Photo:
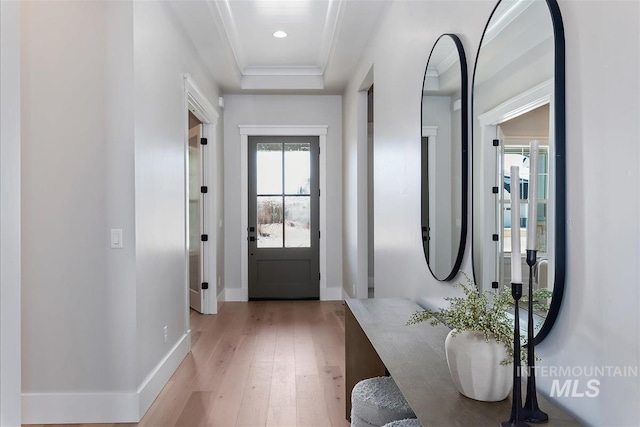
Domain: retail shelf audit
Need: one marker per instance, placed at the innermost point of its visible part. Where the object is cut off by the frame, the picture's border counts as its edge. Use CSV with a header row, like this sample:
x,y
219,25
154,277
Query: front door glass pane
x,y
269,222
297,173
297,214
269,168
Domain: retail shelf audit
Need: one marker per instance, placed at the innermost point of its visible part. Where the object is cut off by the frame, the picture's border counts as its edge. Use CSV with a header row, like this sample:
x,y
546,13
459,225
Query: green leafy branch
x,y
539,295
485,312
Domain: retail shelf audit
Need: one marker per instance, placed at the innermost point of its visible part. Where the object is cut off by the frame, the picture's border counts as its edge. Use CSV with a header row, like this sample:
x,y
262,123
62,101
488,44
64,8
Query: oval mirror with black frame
x,y
444,157
518,97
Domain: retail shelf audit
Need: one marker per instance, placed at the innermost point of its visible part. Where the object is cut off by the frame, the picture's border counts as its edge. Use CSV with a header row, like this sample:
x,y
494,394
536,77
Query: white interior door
x,y
196,217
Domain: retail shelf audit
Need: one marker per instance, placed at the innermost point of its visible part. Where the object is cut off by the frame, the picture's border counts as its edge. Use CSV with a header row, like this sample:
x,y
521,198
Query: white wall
x,y
69,340
282,110
10,366
399,59
119,195
78,318
598,322
358,247
355,210
162,53
103,124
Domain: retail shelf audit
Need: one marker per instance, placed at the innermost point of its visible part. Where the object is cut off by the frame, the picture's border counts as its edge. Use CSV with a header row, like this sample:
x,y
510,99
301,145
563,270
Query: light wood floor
x,y
273,363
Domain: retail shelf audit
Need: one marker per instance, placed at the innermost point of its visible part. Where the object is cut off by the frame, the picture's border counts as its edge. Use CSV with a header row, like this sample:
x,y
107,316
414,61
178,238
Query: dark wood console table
x,y
379,342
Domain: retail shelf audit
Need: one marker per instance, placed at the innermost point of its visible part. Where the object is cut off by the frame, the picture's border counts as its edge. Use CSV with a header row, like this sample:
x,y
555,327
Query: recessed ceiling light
x,y
280,34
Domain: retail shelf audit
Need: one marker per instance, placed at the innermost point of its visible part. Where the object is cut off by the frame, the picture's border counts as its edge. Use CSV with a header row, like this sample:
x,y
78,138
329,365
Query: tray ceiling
x,y
324,43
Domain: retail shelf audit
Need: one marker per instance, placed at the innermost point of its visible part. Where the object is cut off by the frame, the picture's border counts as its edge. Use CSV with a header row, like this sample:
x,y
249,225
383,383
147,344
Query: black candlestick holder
x,y
516,420
531,411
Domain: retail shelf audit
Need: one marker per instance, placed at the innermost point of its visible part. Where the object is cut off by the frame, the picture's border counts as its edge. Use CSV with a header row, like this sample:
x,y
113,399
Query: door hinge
x,y
319,276
494,190
495,237
204,189
319,237
204,237
494,285
203,141
496,142
205,285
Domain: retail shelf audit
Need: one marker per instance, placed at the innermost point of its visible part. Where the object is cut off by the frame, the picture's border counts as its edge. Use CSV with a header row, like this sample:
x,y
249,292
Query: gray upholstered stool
x,y
378,401
409,422
356,421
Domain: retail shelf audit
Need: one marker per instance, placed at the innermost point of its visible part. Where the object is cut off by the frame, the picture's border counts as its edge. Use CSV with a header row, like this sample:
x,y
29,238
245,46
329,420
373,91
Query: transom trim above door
x,y
281,130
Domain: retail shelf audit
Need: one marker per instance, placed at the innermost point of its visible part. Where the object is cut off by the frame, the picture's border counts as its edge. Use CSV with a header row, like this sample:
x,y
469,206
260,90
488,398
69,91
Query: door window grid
x,y
283,166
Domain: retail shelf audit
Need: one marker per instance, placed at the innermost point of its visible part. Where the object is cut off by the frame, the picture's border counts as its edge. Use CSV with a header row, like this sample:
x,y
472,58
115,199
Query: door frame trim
x,y
196,102
431,133
10,220
280,130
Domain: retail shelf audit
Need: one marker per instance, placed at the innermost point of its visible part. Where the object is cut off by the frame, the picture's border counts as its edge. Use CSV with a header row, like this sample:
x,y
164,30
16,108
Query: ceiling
x,y
324,44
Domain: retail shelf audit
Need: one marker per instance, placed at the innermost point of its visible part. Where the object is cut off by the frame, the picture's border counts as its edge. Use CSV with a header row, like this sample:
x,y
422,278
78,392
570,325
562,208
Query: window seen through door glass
x,y
519,156
297,173
270,232
297,178
269,169
297,211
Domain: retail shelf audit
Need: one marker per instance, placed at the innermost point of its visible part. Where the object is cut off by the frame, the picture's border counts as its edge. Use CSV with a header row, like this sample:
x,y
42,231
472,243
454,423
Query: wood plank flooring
x,y
271,363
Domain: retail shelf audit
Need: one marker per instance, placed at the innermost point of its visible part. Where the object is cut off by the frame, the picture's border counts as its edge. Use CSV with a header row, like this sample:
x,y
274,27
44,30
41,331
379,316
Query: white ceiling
x,y
234,38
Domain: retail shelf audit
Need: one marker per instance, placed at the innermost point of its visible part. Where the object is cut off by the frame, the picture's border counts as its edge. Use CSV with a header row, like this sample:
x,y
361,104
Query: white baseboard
x,y
96,408
345,295
331,294
157,379
236,294
210,302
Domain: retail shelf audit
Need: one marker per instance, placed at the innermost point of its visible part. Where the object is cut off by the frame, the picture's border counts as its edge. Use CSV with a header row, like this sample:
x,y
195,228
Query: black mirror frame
x,y
464,166
560,162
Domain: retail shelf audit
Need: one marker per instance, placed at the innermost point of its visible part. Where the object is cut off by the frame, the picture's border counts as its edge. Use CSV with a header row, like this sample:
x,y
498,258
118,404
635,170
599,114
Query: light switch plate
x,y
116,238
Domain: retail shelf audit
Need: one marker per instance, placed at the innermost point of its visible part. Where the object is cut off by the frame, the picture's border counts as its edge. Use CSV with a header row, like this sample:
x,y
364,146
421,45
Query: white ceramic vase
x,y
475,366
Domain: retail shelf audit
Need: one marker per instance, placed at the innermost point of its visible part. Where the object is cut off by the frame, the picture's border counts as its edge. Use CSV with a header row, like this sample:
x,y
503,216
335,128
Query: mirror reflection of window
x,y
516,135
519,155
